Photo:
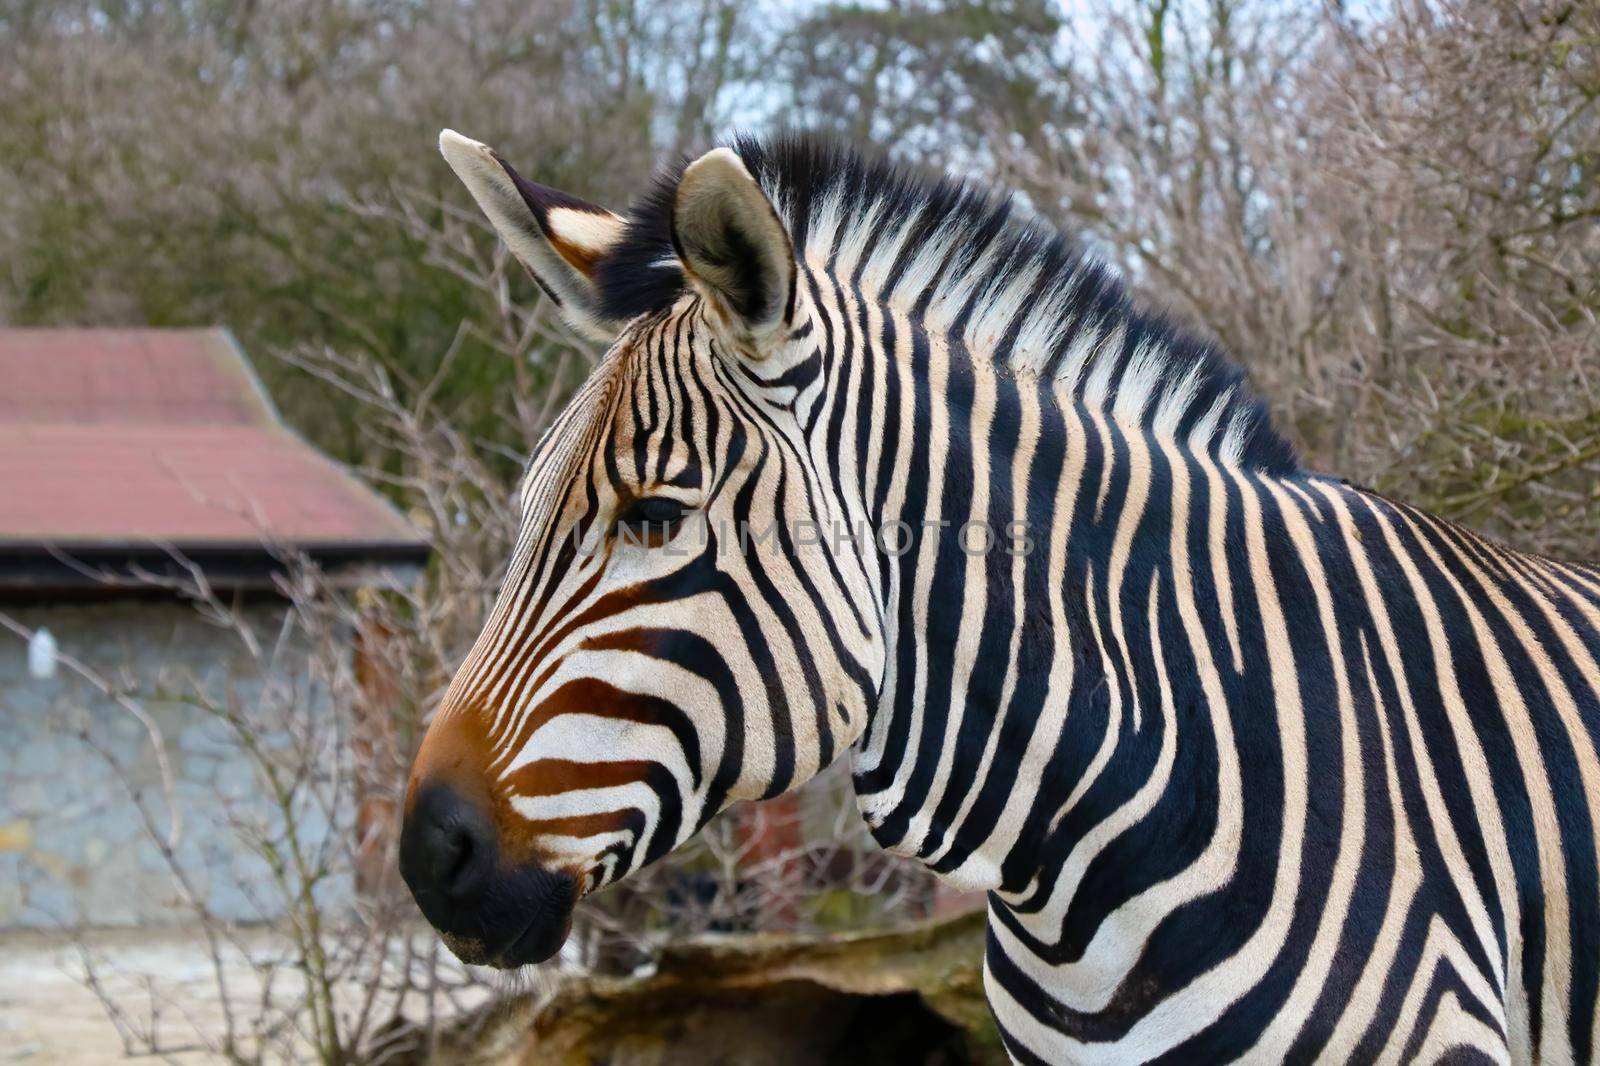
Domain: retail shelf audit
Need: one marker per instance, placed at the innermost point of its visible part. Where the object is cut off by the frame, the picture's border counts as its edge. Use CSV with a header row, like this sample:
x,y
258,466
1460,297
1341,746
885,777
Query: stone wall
x,y
73,848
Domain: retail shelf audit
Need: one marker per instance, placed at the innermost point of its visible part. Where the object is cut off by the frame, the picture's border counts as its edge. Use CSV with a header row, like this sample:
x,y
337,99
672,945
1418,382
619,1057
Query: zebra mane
x,y
970,264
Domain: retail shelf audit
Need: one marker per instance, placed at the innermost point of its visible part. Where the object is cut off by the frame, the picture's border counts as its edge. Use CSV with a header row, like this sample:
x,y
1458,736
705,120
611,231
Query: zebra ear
x,y
560,239
734,247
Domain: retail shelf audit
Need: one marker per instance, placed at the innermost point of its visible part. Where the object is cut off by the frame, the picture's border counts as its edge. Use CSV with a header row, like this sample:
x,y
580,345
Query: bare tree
x,y
171,163
1392,220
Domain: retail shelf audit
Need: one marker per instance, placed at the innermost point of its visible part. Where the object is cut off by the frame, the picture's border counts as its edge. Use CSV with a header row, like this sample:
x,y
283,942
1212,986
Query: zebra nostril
x,y
452,858
447,848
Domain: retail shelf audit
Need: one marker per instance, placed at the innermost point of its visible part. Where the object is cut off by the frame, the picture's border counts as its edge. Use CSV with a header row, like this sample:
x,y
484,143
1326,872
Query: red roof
x,y
112,437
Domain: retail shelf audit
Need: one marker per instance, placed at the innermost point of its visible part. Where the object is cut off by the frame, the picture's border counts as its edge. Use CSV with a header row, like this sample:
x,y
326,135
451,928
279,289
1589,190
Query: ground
x,y
49,1017
912,994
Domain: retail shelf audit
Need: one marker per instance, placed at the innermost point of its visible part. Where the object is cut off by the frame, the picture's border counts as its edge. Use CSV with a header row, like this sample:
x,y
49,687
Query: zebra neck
x,y
1013,710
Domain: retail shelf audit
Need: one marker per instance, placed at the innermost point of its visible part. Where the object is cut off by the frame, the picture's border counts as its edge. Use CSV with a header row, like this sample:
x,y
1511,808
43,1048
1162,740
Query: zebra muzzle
x,y
489,911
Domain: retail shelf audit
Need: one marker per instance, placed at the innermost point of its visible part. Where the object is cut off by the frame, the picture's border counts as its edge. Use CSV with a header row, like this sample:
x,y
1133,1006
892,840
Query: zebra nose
x,y
447,851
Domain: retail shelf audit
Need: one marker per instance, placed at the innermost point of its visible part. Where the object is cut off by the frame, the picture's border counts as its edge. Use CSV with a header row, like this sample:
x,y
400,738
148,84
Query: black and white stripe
x,y
1254,764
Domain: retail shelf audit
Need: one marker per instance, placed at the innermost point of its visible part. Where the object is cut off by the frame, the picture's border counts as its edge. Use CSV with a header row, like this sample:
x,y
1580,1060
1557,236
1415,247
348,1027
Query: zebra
x,y
1251,762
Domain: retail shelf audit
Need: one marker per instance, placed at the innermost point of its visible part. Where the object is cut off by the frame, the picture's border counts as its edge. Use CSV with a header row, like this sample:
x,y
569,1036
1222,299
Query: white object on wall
x,y
42,654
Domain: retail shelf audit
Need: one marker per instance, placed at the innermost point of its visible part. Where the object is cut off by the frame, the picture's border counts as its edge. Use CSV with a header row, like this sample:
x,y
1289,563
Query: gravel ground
x,y
48,1015
163,978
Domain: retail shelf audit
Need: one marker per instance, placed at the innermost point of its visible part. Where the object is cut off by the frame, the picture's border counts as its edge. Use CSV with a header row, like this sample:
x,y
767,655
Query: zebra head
x,y
678,628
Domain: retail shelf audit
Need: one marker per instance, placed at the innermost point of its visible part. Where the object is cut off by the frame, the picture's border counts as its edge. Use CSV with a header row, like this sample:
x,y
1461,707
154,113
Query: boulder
x,y
910,995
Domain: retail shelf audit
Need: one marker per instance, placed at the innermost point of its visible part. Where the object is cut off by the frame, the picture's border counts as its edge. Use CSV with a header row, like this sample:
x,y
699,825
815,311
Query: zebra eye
x,y
651,514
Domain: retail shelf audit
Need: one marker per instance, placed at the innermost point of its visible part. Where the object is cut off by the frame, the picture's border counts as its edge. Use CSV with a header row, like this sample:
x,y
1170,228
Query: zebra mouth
x,y
539,942
538,938
533,940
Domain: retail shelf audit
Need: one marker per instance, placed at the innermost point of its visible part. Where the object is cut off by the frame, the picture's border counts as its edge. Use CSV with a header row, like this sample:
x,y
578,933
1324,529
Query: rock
x,y
16,835
905,996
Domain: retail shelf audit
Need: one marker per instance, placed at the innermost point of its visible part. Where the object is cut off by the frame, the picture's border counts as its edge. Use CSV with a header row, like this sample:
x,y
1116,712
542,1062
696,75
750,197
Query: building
x,y
128,457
